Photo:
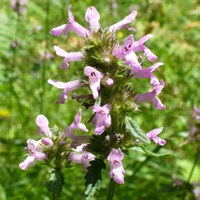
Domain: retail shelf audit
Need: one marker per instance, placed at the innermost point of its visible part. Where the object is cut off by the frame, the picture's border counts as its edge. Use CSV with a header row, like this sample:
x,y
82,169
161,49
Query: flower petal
x,y
29,161
92,16
57,31
123,23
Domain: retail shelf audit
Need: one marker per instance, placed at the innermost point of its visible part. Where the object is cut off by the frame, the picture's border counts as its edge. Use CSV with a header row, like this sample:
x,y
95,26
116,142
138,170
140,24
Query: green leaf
x,y
2,193
55,183
135,130
145,151
93,177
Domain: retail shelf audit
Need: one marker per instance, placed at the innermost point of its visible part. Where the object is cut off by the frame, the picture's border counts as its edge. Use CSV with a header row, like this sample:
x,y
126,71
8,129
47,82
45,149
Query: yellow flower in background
x,y
4,113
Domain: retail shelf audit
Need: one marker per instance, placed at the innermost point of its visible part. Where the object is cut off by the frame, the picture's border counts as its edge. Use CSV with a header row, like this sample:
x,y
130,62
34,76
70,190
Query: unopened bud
x,y
107,59
109,81
47,142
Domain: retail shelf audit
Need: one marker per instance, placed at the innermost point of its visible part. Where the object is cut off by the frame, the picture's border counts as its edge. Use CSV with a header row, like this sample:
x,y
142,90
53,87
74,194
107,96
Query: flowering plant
x,y
108,73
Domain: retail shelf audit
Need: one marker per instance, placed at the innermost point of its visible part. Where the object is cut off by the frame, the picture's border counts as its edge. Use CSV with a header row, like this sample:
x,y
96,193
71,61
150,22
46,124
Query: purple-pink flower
x,y
139,46
81,156
43,124
116,169
68,57
146,72
102,118
92,16
127,52
76,124
67,87
34,150
123,23
152,96
153,135
72,25
59,30
94,80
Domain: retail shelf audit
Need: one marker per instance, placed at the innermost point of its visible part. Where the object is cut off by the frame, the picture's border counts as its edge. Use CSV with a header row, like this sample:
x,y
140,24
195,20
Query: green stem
x,y
111,190
191,171
54,196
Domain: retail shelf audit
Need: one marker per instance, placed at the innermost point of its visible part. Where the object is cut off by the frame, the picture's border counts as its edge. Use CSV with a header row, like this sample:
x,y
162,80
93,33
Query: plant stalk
x,y
111,190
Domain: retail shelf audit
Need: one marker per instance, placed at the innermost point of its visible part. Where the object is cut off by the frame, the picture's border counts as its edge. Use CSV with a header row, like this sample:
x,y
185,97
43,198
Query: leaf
x,y
2,193
145,151
135,130
93,177
55,183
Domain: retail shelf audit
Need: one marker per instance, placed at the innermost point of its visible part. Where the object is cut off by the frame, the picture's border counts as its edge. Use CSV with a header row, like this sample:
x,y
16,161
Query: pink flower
x,y
116,169
75,125
139,46
130,47
126,53
35,153
152,96
67,87
72,26
92,17
102,118
131,59
146,72
153,135
43,124
123,23
94,80
81,156
59,30
69,57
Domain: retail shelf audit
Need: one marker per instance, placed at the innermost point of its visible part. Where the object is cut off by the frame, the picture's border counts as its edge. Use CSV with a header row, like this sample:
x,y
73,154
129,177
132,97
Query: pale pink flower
x,y
59,30
139,46
152,96
81,156
92,16
76,124
153,135
94,80
72,25
123,23
68,57
116,169
43,124
102,118
67,87
35,153
146,72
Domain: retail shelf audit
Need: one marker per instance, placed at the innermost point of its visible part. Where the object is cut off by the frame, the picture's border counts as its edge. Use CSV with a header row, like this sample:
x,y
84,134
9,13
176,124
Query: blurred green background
x,y
27,60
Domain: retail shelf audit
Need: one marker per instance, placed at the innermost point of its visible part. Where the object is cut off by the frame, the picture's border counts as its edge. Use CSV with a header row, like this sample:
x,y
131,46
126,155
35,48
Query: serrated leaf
x,y
55,183
133,128
93,177
147,152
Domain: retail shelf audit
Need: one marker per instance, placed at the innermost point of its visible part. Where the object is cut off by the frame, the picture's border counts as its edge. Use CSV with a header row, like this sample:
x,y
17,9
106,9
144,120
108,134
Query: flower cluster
x,y
108,74
102,72
47,147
